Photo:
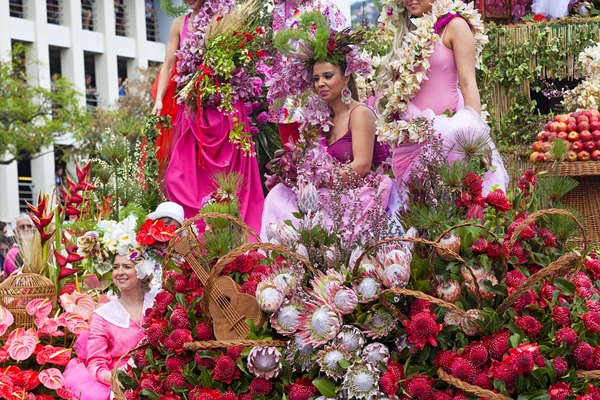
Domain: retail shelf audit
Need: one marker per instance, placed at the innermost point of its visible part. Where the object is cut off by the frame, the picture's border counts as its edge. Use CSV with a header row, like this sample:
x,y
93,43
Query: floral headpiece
x,y
391,14
315,41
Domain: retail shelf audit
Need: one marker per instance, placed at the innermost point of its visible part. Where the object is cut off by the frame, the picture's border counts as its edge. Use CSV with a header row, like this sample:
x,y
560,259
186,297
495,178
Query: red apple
x,y
595,155
572,127
595,113
563,135
553,135
585,136
589,146
562,127
583,156
541,157
594,118
594,125
575,114
583,118
571,156
546,136
571,119
598,144
596,135
537,146
577,146
587,113
583,126
553,127
534,156
573,136
540,135
546,147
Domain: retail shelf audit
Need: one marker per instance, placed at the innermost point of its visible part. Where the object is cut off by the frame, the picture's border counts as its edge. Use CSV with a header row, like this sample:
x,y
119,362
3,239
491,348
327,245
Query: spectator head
x,y
5,246
60,171
120,81
169,213
3,228
24,227
88,79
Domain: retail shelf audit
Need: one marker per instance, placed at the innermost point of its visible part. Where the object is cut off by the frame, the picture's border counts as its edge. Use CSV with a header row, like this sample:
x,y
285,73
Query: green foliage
x,y
31,116
171,10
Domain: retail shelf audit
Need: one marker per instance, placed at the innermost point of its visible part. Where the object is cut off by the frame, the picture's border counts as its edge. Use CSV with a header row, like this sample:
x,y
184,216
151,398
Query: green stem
x,y
117,188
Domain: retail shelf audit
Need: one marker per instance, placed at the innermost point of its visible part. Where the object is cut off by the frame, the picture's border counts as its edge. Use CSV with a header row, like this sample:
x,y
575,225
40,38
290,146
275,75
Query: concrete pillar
x,y
136,18
9,195
72,61
107,73
43,172
5,42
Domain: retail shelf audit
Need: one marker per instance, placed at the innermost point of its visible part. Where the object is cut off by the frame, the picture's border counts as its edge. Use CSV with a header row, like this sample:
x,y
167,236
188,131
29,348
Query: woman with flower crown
x,y
200,146
115,327
431,71
349,131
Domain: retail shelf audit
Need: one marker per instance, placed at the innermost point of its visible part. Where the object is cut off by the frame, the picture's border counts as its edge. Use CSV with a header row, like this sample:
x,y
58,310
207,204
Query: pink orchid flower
x,y
52,378
78,303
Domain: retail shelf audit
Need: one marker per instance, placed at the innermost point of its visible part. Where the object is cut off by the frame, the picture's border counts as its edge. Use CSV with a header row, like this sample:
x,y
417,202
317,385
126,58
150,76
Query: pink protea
x,y
422,329
287,319
269,296
591,321
376,353
451,242
361,380
351,338
341,298
396,275
367,287
321,282
378,323
449,291
484,293
329,359
529,325
264,361
318,325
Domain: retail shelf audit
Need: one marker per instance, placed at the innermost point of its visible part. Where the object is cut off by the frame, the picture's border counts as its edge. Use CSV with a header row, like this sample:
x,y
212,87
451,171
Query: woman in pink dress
x,y
200,146
115,329
449,85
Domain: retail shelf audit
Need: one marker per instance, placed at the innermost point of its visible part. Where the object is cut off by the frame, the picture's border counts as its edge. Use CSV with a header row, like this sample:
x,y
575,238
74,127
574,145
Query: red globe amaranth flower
x,y
480,246
528,298
302,389
155,334
175,380
559,391
522,358
567,335
179,318
249,287
444,359
591,321
529,325
498,200
526,234
593,267
560,365
443,395
229,396
177,339
260,386
482,381
234,352
505,373
388,383
203,393
497,344
152,383
225,370
477,354
548,237
175,363
168,396
419,387
421,329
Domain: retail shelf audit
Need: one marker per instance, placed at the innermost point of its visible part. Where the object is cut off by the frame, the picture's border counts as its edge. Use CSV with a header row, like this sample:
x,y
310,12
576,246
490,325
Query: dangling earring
x,y
347,96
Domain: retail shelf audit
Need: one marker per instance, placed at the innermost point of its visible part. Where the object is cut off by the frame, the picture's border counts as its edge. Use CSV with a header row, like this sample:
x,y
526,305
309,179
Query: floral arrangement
x,y
410,62
587,93
417,130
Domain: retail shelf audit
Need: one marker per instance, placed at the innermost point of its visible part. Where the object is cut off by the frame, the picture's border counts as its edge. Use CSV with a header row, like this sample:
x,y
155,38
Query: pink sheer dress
x,y
440,93
199,150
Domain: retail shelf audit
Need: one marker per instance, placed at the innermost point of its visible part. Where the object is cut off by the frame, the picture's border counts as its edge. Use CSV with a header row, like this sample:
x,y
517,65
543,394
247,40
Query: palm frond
x,y
470,142
559,149
563,227
428,218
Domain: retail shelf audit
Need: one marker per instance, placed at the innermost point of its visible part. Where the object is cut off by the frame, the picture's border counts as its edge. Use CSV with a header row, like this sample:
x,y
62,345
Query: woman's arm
x,y
362,125
98,358
168,65
460,38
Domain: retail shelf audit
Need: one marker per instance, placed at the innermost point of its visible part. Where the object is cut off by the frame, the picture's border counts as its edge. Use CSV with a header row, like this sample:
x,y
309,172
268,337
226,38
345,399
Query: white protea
x,y
398,256
350,338
469,324
269,296
368,266
401,343
319,324
483,292
307,198
287,319
361,381
367,287
473,271
396,275
282,233
331,255
354,256
452,319
302,250
341,298
264,361
378,323
300,354
449,291
329,360
314,220
286,277
376,353
321,282
450,241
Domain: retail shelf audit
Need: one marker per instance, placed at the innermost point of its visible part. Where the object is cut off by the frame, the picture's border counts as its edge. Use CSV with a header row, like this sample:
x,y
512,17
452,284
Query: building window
x,y
87,14
17,8
151,26
53,11
120,22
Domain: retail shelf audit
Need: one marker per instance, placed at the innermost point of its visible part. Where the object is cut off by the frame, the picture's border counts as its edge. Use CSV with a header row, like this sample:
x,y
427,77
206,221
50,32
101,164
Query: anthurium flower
x,y
54,355
39,307
52,378
74,322
22,347
162,233
28,379
144,235
6,320
78,303
48,326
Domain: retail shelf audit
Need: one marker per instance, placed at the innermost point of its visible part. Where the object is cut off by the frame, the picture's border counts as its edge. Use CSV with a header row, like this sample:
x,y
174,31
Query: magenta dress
x,y
281,202
197,154
440,92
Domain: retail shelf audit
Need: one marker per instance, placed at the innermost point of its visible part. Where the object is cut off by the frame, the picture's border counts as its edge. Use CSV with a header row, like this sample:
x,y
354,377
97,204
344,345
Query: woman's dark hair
x,y
351,82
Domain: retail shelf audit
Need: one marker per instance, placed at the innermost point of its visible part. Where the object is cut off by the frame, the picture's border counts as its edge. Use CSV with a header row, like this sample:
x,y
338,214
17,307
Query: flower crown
x,y
314,41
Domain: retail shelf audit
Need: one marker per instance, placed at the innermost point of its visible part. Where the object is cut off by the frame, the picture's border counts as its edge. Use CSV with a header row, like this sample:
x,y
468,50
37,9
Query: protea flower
x,y
281,233
401,343
300,353
350,338
308,198
483,292
361,381
322,281
398,256
367,287
452,242
476,270
376,353
468,325
329,359
269,296
286,278
331,255
396,275
354,255
302,250
319,324
449,291
342,299
368,266
314,220
264,361
287,319
378,323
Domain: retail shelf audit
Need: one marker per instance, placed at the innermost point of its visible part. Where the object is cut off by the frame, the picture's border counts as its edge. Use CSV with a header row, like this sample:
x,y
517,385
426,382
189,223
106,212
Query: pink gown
x,y
440,92
197,154
281,202
112,334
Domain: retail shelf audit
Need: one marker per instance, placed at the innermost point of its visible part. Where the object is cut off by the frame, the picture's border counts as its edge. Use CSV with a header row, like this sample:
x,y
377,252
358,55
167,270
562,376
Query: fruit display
x,y
580,130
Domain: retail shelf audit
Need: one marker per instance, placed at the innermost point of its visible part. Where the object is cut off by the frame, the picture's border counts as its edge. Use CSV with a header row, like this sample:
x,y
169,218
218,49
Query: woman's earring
x,y
347,96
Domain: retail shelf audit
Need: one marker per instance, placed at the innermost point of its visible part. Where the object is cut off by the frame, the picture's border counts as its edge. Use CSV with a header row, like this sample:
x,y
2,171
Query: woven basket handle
x,y
215,215
476,390
115,385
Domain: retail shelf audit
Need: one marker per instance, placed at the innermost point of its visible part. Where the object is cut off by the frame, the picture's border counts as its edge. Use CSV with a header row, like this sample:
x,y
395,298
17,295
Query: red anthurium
x,y
144,234
54,355
160,232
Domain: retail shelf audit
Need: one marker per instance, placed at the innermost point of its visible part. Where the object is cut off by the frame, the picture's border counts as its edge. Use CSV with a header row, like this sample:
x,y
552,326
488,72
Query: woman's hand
x,y
157,108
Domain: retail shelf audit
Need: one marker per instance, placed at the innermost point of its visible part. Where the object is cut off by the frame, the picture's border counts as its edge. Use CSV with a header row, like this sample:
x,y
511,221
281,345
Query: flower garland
x,y
411,63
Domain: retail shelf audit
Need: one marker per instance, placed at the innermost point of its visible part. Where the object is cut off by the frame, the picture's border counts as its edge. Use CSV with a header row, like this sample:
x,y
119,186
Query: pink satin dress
x,y
438,94
197,154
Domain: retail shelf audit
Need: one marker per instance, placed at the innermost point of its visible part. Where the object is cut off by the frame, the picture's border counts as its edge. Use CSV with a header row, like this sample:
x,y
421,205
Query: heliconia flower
x,y
367,287
396,275
287,318
342,299
269,296
378,323
449,291
361,381
319,324
321,282
52,378
264,361
452,242
6,320
376,353
350,338
308,198
281,233
39,307
329,359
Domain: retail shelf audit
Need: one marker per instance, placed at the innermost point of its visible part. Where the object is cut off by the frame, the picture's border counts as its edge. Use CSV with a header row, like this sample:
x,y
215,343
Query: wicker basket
x,y
18,290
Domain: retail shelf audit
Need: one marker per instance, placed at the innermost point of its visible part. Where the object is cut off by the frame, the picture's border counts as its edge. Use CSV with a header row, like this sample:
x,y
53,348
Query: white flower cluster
x,y
417,130
589,59
390,16
587,93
